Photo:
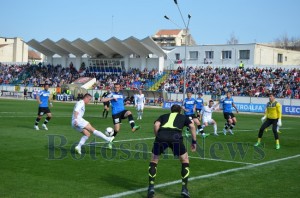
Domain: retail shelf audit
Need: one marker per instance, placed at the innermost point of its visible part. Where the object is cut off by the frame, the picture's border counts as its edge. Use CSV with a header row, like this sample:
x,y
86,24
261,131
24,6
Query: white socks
x,y
101,135
82,140
139,115
215,128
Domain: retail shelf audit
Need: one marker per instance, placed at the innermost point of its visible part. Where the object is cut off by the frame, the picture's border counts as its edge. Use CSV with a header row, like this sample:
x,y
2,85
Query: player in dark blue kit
x,y
43,98
199,105
228,103
119,112
189,108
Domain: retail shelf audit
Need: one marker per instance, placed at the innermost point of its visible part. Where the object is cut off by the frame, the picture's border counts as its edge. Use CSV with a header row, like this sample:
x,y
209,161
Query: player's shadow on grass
x,y
162,193
118,181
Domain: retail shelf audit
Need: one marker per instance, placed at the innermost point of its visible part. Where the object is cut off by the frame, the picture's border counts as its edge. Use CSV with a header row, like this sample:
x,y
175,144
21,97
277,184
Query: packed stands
x,y
256,82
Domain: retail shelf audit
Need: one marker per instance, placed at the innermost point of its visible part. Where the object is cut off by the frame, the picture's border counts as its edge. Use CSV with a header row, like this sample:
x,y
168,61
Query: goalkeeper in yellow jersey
x,y
272,117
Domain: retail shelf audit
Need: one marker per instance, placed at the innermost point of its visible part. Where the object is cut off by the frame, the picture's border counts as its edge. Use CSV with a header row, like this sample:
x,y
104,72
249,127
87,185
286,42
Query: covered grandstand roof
x,y
97,47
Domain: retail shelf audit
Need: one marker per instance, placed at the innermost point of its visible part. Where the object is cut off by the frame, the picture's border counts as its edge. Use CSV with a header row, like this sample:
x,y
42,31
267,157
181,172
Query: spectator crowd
x,y
254,82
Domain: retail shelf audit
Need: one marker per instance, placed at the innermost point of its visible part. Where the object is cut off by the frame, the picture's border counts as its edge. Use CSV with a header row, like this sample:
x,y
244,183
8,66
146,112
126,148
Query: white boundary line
x,y
201,177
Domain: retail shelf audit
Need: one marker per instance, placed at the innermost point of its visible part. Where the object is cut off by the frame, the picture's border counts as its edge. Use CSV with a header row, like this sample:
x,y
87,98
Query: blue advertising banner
x,y
168,105
291,110
64,97
249,107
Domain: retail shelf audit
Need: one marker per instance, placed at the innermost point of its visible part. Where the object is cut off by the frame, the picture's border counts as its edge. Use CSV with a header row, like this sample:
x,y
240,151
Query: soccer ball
x,y
109,131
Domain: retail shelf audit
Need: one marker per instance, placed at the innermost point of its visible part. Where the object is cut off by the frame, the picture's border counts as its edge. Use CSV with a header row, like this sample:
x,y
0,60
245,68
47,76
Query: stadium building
x,y
163,51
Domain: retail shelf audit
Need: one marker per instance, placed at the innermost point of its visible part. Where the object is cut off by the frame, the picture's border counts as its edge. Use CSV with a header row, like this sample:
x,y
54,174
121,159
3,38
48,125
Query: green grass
x,y
31,167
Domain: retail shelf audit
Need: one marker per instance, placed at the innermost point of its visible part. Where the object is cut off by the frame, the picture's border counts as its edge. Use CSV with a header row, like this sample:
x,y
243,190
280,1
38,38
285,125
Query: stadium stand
x,y
285,83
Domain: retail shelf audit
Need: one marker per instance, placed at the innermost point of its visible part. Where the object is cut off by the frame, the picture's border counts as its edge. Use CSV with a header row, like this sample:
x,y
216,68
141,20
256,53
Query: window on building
x,y
193,54
177,56
244,54
226,54
279,58
285,58
209,54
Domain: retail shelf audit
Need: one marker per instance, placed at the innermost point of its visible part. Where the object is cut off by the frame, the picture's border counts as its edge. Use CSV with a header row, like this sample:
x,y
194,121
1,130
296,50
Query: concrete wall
x,y
13,50
265,55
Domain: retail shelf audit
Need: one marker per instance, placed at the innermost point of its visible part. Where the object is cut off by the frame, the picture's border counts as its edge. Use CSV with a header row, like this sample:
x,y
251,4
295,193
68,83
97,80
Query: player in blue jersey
x,y
119,112
43,98
199,105
189,109
228,103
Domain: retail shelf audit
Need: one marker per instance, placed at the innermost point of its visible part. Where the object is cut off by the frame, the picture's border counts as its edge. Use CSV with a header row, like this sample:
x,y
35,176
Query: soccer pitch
x,y
43,163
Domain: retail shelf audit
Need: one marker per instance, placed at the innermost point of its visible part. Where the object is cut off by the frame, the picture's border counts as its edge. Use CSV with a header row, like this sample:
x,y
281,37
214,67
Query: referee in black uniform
x,y
168,129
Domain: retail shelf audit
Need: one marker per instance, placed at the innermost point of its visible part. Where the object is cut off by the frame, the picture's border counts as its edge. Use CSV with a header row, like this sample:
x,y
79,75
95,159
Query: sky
x,y
212,21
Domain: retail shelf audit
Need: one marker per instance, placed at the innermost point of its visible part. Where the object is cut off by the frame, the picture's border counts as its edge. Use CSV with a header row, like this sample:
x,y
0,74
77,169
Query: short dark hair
x,y
86,95
176,108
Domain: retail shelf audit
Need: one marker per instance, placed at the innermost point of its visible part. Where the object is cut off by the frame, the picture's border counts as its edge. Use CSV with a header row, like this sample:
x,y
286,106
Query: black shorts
x,y
228,115
174,141
43,110
117,118
191,117
106,104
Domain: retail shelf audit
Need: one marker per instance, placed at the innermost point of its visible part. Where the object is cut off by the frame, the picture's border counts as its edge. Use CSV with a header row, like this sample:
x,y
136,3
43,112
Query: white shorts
x,y
81,124
208,121
140,107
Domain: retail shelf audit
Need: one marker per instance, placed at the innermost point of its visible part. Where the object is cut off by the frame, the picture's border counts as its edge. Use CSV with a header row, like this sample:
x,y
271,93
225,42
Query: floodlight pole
x,y
185,47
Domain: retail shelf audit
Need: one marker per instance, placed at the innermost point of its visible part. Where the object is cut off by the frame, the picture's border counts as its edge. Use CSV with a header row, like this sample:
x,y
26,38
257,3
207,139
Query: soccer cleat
x,y
135,128
78,150
266,130
185,193
230,131
199,130
257,144
215,134
277,146
110,142
45,127
151,192
224,131
111,139
110,145
204,135
36,127
278,131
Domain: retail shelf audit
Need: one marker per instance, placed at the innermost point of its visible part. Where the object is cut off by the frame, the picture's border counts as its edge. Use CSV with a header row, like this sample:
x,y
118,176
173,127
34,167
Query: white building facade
x,y
251,55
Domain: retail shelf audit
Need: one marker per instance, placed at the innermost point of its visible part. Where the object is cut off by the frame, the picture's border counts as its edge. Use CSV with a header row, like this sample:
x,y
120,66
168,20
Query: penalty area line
x,y
201,177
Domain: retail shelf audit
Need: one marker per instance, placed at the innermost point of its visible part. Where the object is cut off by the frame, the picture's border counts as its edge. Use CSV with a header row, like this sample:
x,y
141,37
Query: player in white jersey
x,y
139,102
83,126
206,116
